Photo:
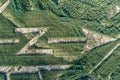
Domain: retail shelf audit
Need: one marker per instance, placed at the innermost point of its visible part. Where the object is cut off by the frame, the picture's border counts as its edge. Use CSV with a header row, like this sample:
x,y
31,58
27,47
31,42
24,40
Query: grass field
x,y
2,2
51,75
24,77
63,20
2,76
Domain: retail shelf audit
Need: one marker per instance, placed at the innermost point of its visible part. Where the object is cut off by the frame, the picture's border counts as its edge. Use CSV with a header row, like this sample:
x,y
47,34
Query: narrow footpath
x,y
3,7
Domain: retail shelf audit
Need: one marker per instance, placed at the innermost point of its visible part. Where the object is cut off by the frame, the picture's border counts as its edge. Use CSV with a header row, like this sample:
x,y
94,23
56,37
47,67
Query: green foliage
x,y
84,10
51,75
63,20
116,74
10,58
50,5
2,76
107,68
112,30
82,66
19,5
26,5
24,77
2,2
6,28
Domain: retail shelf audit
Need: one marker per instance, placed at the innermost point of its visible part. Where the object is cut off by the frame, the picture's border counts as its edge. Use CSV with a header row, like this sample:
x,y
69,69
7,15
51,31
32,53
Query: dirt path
x,y
40,76
9,41
7,76
30,43
8,70
3,7
66,40
109,53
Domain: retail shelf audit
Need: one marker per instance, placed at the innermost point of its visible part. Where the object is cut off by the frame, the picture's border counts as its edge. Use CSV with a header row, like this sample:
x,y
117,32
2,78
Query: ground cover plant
x,y
63,19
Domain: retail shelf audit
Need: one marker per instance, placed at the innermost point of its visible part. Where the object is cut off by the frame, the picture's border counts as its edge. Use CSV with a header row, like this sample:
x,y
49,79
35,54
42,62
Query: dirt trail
x,y
30,43
3,7
95,39
8,70
40,76
109,53
7,76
